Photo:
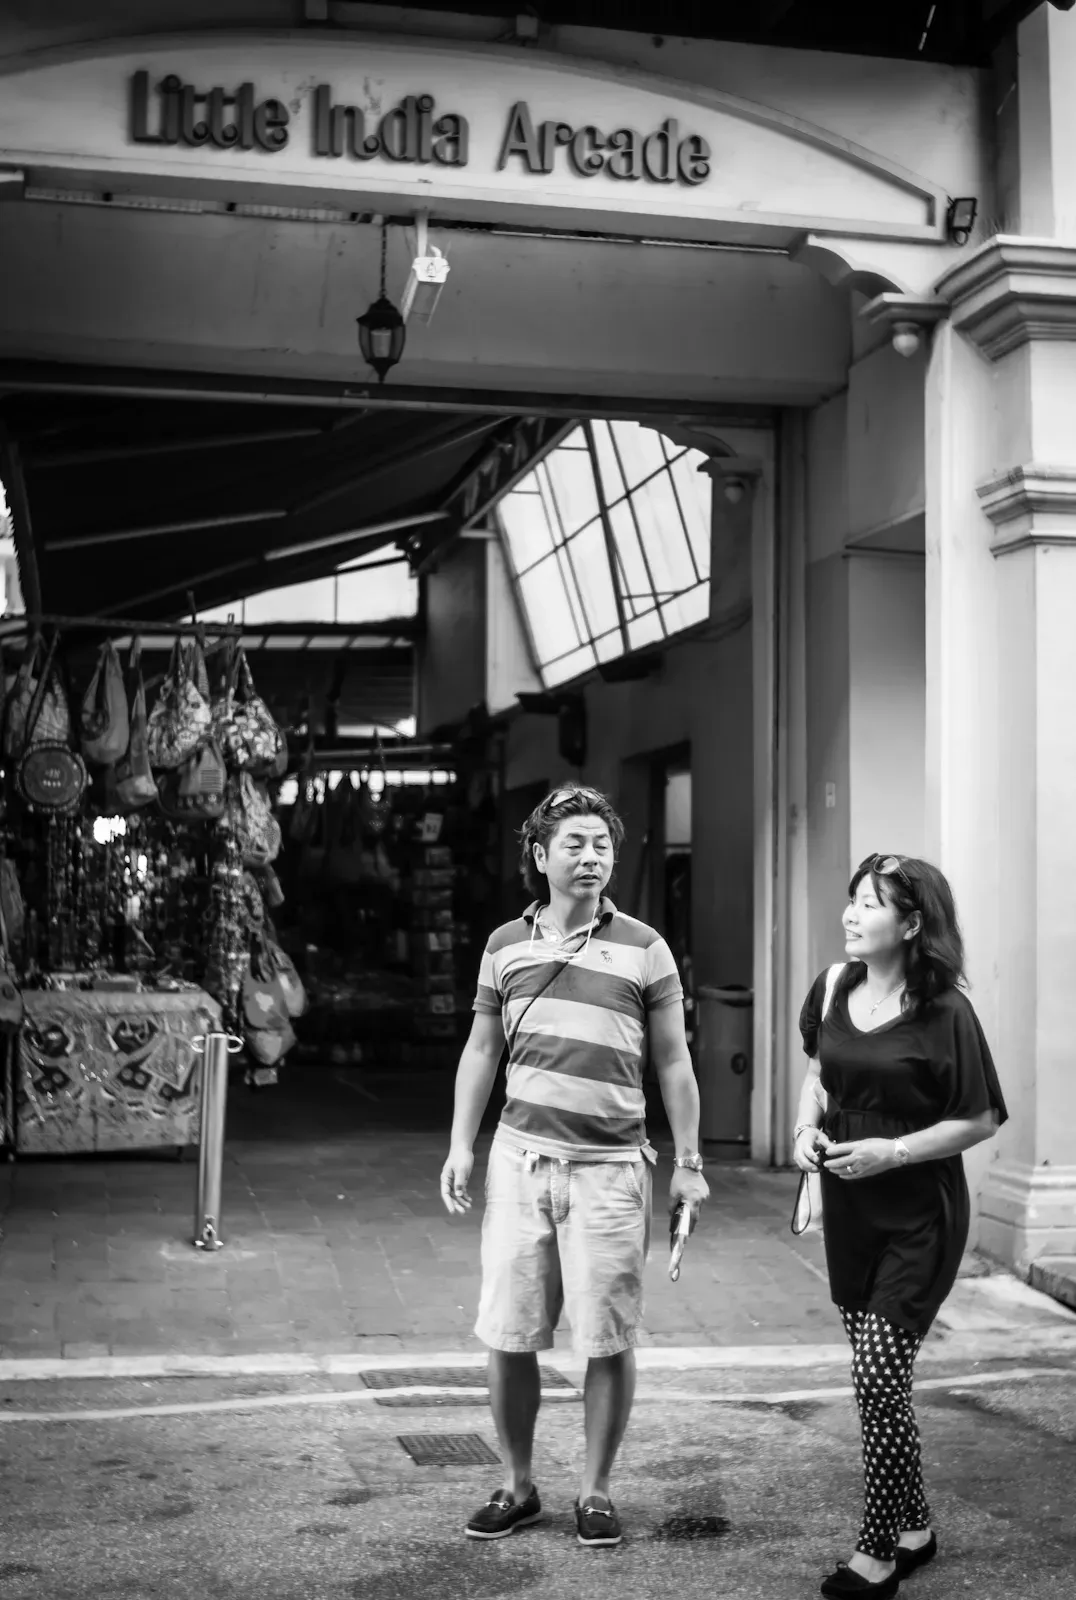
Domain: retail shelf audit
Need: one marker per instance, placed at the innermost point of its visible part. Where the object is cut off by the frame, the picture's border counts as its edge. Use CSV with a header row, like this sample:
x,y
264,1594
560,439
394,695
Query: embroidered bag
x,y
105,721
53,724
195,791
248,735
135,783
179,722
249,816
50,777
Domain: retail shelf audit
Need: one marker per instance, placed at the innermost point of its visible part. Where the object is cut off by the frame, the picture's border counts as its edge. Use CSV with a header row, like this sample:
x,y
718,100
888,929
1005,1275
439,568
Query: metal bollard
x,y
214,1048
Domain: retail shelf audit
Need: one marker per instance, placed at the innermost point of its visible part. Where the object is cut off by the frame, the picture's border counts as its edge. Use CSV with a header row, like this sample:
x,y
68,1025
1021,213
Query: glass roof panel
x,y
591,566
553,528
571,478
526,525
639,450
550,618
663,535
694,490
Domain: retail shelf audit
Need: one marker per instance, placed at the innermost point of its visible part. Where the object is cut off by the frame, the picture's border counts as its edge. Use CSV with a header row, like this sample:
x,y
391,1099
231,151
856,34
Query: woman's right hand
x,y
804,1153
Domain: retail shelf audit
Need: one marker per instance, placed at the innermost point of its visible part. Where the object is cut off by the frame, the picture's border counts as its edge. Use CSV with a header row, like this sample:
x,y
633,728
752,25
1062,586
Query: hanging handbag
x,y
12,905
288,978
104,721
53,721
11,1003
195,791
135,783
249,816
807,1207
267,1028
50,776
180,720
244,725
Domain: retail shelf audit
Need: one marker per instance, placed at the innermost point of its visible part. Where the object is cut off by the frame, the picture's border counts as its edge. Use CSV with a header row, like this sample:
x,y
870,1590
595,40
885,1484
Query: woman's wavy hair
x,y
570,800
935,956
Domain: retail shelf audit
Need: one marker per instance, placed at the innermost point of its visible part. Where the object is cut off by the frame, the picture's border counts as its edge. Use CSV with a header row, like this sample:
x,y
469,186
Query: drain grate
x,y
446,1378
448,1449
430,1402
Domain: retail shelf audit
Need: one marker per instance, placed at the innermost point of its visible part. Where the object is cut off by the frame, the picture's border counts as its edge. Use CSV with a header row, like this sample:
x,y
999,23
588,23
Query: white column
x,y
1001,698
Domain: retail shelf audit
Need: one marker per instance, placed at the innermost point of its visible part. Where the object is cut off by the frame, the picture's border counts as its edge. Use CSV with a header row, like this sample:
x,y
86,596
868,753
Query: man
x,y
583,995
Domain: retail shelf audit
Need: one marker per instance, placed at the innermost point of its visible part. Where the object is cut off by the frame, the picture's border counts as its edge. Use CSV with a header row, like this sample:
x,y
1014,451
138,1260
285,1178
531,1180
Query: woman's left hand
x,y
861,1158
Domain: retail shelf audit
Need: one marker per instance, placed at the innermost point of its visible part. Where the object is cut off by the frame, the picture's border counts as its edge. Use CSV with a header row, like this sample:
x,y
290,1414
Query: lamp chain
x,y
384,238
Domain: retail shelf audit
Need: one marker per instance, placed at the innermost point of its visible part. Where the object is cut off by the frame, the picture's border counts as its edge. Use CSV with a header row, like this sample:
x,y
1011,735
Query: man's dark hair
x,y
570,800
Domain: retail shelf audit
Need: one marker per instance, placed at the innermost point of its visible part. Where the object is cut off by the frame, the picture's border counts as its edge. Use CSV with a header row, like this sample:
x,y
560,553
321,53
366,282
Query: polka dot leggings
x,y
882,1359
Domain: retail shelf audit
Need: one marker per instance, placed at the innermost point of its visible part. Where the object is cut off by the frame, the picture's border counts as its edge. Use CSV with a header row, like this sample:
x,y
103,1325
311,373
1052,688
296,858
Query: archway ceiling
x,y
964,34
96,465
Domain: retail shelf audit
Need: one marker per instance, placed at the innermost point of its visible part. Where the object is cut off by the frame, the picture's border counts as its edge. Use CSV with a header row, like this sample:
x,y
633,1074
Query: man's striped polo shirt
x,y
576,1034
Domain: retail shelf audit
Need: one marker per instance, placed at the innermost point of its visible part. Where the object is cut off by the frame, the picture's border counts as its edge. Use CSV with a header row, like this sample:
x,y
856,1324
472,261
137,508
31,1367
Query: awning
x,y
134,501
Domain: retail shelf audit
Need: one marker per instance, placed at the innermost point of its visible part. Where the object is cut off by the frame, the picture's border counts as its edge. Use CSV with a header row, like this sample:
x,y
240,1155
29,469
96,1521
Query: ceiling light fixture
x,y
381,328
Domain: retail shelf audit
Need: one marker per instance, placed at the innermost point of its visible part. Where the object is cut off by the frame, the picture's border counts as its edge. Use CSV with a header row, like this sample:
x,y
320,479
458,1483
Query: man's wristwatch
x,y
689,1163
902,1153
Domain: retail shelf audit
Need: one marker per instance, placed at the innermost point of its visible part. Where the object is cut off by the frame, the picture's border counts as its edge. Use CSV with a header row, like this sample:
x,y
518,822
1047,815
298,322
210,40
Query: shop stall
x,y
135,883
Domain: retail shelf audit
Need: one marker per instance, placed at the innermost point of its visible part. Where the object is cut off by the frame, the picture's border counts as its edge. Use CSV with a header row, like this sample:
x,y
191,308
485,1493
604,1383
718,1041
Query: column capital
x,y
1030,505
1012,290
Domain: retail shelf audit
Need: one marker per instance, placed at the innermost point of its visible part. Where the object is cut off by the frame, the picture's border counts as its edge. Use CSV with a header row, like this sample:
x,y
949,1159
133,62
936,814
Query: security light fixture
x,y
960,219
381,327
905,338
429,271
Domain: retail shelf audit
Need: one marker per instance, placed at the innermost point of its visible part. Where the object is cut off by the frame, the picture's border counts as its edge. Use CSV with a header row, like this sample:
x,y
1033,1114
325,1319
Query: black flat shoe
x,y
908,1560
845,1582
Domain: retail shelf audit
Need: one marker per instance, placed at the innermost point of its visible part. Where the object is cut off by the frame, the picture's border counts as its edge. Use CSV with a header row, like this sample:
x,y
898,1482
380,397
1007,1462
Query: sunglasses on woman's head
x,y
890,867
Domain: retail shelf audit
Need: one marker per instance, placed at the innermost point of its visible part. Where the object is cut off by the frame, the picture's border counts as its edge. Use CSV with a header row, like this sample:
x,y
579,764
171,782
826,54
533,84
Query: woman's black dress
x,y
894,1241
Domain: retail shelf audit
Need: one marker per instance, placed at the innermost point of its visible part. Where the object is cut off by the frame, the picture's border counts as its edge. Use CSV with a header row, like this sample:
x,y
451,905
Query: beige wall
x,y
702,696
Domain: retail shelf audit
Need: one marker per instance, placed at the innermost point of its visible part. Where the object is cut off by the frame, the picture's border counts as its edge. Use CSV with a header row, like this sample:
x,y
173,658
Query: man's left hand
x,y
690,1187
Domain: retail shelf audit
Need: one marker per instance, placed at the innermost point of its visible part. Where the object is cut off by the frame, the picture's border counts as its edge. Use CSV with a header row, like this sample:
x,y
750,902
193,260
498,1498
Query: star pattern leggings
x,y
882,1360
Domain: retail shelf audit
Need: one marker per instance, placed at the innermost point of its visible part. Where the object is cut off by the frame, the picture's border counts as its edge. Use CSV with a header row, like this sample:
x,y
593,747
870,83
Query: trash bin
x,y
725,1066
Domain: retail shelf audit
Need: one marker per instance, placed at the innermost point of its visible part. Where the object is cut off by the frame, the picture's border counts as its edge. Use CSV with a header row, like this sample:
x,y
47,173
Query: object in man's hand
x,y
680,1227
821,1153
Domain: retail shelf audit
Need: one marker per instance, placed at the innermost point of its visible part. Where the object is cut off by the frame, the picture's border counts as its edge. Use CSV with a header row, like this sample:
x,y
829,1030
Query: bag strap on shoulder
x,y
833,977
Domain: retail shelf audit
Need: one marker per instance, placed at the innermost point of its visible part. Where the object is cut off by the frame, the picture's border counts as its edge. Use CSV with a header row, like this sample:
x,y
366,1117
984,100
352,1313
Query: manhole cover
x,y
448,1449
429,1402
446,1378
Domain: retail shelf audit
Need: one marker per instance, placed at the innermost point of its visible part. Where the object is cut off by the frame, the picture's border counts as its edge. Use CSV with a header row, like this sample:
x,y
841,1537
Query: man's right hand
x,y
455,1175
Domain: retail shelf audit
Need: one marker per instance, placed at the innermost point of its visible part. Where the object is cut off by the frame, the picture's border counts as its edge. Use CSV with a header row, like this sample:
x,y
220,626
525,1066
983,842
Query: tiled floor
x,y
336,1239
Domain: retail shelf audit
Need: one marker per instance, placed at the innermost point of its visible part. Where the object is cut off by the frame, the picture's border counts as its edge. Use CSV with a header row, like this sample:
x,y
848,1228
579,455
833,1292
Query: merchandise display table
x,y
109,1070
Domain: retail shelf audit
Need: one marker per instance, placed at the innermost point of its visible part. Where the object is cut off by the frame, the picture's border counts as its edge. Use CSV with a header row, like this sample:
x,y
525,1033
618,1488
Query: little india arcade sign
x,y
172,112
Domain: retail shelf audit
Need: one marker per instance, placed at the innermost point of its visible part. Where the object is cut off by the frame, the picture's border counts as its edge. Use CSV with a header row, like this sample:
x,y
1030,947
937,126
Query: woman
x,y
908,1084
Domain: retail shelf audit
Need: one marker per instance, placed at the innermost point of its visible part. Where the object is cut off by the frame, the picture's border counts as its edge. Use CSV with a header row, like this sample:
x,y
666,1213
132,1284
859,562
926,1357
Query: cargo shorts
x,y
563,1236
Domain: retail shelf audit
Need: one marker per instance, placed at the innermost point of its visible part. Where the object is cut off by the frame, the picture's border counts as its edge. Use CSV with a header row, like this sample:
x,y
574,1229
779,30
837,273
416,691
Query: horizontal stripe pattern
x,y
587,1096
567,1130
577,1035
586,1024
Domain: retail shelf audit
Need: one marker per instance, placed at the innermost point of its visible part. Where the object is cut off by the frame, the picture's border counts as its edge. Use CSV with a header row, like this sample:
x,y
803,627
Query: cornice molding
x,y
1030,505
890,310
1011,291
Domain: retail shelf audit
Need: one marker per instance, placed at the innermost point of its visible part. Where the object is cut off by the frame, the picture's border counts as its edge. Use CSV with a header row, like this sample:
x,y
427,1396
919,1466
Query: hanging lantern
x,y
381,328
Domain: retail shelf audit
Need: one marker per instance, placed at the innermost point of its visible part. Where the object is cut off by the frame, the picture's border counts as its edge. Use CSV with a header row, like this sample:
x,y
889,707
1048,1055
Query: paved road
x,y
732,1482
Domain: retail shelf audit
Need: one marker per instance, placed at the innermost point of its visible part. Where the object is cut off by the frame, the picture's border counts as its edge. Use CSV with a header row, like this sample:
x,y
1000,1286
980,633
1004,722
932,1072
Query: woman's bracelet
x,y
798,1129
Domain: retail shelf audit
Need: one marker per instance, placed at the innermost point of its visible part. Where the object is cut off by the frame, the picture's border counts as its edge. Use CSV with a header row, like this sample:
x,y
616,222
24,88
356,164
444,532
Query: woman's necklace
x,y
886,997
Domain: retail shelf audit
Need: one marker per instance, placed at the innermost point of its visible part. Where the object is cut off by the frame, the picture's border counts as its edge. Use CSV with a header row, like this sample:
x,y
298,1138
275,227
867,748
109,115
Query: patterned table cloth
x,y
101,1070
